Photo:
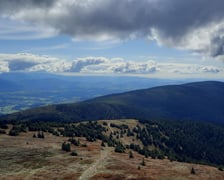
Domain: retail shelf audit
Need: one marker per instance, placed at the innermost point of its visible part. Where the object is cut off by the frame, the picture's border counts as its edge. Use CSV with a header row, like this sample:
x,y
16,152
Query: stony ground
x,y
25,157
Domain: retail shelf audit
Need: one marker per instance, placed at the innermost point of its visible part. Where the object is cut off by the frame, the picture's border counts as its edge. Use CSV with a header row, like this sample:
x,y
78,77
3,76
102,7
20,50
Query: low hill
x,y
193,101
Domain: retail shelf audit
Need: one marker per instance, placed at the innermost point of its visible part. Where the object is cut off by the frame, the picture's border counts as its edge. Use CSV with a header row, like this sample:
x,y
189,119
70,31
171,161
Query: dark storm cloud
x,y
218,46
173,19
177,17
11,6
171,23
110,17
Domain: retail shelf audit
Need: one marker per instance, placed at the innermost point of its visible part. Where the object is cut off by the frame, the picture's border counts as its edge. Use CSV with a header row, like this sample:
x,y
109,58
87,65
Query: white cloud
x,y
4,66
211,69
81,63
52,67
32,62
135,68
189,69
27,57
25,62
207,40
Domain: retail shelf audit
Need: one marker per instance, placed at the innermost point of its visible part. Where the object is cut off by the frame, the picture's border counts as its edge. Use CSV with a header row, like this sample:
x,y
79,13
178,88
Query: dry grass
x,y
24,157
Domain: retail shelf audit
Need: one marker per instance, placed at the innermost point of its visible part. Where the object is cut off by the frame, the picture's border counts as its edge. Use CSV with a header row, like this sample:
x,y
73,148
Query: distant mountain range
x,y
193,101
20,91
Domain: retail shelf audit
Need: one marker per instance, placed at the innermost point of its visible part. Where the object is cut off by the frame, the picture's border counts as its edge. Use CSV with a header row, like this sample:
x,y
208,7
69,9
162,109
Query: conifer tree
x,y
131,154
143,162
193,171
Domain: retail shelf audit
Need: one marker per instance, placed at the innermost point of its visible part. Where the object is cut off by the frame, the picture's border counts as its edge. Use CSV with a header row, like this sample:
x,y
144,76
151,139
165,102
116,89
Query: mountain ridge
x,y
191,101
19,92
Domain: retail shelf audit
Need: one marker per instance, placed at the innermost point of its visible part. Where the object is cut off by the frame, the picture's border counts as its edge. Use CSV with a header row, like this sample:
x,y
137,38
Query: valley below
x,y
18,92
28,157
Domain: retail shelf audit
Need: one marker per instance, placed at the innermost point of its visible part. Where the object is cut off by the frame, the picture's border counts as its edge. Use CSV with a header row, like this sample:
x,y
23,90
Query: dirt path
x,y
111,130
92,170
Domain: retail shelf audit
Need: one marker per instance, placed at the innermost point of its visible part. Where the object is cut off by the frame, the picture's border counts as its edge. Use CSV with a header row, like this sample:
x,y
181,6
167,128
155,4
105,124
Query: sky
x,y
150,38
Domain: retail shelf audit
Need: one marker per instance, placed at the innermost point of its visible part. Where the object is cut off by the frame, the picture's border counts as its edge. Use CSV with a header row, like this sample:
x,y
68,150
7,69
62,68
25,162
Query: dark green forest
x,y
202,101
184,141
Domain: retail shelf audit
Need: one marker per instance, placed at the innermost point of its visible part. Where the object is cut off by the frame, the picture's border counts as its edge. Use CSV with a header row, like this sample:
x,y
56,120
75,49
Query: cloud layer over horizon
x,y
192,25
25,62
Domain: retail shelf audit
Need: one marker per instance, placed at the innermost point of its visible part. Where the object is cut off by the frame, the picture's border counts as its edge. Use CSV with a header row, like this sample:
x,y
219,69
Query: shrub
x,y
13,132
74,153
119,148
2,131
66,147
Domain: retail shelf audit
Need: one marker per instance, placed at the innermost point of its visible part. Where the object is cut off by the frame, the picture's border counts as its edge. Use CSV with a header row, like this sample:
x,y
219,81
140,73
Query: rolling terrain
x,y
20,91
201,101
27,157
166,132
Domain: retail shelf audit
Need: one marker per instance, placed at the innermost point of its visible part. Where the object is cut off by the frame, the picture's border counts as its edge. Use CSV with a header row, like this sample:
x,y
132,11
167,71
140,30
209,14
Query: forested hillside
x,y
202,101
184,141
19,92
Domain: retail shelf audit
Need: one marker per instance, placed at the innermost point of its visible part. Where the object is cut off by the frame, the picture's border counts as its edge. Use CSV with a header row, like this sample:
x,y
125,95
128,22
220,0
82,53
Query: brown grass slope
x,y
25,157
